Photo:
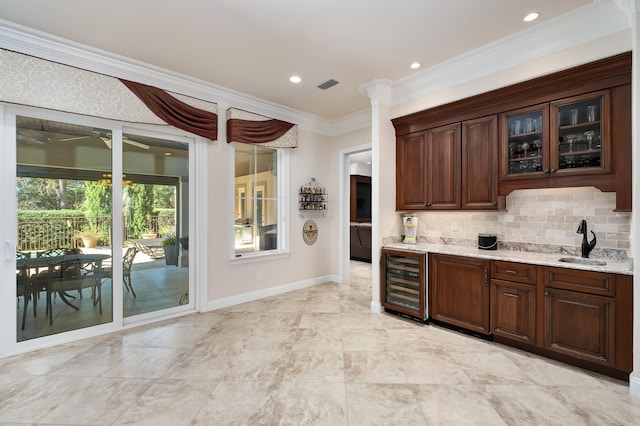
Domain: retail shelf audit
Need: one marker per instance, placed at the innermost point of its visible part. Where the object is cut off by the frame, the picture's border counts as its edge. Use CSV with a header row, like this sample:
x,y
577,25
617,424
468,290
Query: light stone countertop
x,y
535,258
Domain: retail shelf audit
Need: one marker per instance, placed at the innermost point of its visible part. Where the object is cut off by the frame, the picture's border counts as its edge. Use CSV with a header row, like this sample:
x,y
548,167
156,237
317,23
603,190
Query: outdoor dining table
x,y
37,263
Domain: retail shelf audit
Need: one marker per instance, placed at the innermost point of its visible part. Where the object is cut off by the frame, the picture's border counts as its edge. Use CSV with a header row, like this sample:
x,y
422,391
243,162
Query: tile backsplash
x,y
544,217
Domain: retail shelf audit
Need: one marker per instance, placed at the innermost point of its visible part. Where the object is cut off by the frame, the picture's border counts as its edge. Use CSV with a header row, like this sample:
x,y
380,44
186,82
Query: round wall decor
x,y
310,232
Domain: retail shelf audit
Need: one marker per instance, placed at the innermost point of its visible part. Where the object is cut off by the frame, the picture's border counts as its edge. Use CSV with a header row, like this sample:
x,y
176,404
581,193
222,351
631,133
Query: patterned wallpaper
x,y
27,80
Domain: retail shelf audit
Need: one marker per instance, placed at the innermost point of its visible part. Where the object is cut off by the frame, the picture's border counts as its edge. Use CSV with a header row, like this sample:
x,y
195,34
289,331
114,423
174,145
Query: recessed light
x,y
415,65
295,79
167,154
531,17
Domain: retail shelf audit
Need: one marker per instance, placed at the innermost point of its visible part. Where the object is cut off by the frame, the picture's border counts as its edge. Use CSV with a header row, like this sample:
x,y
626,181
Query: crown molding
x,y
588,23
39,44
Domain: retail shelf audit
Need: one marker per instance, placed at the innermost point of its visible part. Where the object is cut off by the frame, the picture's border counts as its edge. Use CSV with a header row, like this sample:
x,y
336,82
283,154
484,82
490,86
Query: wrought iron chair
x,y
73,275
24,289
127,261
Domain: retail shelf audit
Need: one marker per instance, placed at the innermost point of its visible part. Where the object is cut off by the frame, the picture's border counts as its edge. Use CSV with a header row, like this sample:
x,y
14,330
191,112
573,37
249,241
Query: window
x,y
258,199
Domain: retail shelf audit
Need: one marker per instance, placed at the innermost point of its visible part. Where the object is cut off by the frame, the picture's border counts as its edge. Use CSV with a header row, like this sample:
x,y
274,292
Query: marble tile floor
x,y
316,356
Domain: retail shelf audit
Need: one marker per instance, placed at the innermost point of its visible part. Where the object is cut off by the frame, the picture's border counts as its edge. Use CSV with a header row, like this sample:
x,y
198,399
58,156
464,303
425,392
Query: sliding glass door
x,y
64,229
74,268
156,223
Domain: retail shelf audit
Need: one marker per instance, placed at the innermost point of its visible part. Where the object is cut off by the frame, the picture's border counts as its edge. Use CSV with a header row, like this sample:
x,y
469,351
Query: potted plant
x,y
170,246
89,237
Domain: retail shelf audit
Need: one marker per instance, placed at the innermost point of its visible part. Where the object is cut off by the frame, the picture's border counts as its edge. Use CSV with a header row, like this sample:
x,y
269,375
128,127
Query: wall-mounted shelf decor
x,y
312,199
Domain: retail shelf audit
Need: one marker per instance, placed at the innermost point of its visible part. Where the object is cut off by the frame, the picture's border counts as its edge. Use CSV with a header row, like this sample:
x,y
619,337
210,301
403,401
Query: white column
x,y
383,177
634,13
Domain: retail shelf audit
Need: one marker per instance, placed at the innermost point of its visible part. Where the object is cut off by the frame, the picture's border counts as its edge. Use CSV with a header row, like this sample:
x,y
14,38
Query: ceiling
x,y
254,46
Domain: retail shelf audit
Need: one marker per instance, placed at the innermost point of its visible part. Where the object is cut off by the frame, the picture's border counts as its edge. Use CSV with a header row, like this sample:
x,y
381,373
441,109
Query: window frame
x,y
282,202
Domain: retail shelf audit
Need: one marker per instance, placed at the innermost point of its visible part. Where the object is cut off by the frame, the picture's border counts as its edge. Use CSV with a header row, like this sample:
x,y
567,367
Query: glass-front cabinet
x,y
525,136
564,137
579,127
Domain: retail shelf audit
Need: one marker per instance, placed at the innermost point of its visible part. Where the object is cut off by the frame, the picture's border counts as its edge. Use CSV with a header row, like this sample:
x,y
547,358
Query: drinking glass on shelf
x,y
525,148
528,125
571,140
589,136
537,124
517,127
574,116
591,113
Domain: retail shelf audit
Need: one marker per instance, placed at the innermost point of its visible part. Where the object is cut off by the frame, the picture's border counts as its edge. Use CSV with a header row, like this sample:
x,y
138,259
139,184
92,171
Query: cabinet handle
x,y
546,293
545,171
511,295
553,171
428,204
486,276
511,271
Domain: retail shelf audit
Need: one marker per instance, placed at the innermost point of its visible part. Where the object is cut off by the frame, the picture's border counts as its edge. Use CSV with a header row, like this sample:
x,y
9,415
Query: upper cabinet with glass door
x,y
562,138
579,130
525,142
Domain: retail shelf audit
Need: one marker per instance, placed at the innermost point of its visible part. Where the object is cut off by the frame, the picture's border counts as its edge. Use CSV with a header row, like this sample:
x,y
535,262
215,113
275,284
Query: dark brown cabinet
x,y
428,172
567,129
513,301
411,171
581,317
480,163
403,278
579,314
459,291
580,325
449,167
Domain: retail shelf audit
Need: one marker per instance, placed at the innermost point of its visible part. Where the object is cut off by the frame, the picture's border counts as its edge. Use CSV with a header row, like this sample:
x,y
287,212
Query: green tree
x,y
164,197
48,194
97,208
141,207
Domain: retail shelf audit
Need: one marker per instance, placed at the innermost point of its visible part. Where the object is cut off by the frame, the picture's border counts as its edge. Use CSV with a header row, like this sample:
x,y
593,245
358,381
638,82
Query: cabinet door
x,y
580,325
403,282
524,147
443,167
580,135
411,172
513,310
480,163
459,291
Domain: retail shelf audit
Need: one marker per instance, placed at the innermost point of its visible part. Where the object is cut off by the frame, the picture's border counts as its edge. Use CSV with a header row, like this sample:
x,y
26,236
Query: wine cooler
x,y
403,286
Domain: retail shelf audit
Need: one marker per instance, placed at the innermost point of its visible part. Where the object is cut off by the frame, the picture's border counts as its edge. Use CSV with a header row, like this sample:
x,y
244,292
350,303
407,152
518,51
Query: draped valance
x,y
27,80
246,127
176,112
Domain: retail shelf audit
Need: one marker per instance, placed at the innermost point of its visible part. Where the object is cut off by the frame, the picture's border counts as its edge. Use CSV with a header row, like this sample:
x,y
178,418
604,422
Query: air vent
x,y
327,84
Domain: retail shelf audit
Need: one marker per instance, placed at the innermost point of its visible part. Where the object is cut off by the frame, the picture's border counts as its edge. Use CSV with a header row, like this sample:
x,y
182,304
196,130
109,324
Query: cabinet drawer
x,y
583,281
511,271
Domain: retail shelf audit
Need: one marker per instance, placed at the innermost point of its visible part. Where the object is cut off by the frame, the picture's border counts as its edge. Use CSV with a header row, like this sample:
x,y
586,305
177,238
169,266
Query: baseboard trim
x,y
634,385
376,307
216,304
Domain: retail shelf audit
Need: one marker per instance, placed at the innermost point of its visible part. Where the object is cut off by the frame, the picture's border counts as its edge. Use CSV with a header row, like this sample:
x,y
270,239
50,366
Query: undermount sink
x,y
582,261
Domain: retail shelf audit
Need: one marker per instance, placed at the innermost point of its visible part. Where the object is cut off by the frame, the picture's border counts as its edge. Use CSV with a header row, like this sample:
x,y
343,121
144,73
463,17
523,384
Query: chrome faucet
x,y
586,245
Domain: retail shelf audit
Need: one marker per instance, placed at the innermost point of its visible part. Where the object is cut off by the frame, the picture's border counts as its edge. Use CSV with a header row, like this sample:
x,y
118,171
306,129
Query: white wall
x,y
234,281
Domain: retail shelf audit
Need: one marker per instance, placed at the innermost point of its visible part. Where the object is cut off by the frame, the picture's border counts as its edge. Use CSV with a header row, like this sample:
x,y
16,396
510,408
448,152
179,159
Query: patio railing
x,y
47,233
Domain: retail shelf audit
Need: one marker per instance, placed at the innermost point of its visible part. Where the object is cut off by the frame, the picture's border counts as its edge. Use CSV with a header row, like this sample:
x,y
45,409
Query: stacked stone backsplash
x,y
539,220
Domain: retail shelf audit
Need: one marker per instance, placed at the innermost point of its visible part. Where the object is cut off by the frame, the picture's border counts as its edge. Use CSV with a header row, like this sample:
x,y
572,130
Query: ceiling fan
x,y
107,140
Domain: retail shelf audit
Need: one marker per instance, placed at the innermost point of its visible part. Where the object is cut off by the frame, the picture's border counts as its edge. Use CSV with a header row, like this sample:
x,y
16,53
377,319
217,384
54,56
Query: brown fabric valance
x,y
175,112
247,131
252,128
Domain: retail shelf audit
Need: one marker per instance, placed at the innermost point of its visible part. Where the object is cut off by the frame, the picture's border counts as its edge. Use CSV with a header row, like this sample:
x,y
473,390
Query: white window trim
x,y
283,156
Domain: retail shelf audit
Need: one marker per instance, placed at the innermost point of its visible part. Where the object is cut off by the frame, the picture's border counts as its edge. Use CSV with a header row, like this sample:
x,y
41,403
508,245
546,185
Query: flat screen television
x,y
361,210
